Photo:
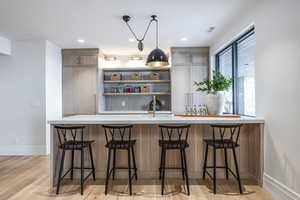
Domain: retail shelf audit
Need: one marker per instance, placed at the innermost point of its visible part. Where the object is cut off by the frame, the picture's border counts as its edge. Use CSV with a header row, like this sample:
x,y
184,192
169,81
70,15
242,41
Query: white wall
x,y
5,46
30,85
53,86
22,102
277,27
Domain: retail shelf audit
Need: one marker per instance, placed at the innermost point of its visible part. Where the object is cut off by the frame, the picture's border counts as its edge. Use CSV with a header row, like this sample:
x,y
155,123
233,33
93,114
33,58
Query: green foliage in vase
x,y
218,83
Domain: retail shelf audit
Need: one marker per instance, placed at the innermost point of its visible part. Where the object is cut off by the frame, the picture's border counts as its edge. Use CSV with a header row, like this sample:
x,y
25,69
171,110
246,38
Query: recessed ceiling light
x,y
183,39
131,40
81,41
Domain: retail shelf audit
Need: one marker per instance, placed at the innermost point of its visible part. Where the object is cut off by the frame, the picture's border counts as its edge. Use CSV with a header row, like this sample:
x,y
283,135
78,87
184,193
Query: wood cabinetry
x,y
189,64
74,57
72,60
80,68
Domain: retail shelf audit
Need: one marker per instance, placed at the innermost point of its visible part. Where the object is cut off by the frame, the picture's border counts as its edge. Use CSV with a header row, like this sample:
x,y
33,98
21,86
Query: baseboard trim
x,y
22,150
278,189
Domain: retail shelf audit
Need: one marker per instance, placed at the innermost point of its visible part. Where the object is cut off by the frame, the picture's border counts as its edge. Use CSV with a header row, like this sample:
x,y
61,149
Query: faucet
x,y
153,111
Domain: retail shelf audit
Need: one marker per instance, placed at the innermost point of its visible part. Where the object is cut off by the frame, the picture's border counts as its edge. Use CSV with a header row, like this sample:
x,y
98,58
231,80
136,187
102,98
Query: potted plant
x,y
215,88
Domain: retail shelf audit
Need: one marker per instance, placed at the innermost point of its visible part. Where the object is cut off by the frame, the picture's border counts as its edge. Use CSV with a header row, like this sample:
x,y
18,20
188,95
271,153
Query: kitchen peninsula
x,y
146,132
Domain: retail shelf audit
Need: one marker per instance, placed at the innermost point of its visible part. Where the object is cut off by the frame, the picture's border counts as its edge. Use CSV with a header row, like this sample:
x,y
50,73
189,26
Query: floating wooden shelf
x,y
126,69
137,81
137,94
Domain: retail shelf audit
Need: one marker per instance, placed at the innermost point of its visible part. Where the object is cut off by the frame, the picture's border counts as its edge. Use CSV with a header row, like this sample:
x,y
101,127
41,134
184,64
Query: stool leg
x,y
226,162
215,178
134,163
163,170
92,161
182,164
237,170
186,173
160,166
82,171
129,172
107,171
72,164
114,163
205,162
60,171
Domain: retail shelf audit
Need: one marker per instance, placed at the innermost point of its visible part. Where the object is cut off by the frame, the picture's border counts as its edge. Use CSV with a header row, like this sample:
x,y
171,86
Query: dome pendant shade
x,y
157,58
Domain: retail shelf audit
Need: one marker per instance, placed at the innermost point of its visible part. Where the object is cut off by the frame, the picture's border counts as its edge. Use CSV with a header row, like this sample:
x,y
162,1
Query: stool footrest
x,y
69,170
220,167
111,170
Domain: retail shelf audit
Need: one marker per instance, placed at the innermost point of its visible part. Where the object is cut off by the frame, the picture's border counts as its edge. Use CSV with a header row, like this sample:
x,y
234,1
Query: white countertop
x,y
149,119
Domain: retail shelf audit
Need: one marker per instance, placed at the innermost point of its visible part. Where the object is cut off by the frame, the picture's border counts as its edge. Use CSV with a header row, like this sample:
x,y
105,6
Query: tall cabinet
x,y
189,64
80,68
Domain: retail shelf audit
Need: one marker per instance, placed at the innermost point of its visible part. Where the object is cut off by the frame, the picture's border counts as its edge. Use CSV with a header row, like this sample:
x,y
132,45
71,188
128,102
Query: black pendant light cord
x,y
156,32
126,19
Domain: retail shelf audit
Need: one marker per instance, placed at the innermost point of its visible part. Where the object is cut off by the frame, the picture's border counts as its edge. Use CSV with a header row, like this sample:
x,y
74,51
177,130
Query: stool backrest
x,y
226,131
67,133
174,132
117,132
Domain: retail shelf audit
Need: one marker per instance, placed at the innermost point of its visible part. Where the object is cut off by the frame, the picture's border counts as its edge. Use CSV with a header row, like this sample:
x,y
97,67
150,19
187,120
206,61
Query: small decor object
x,y
154,76
129,89
137,89
145,89
120,89
115,77
215,99
189,102
157,105
136,76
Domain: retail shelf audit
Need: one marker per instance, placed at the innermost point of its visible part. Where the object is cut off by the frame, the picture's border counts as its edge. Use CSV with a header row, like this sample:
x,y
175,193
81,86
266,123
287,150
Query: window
x,y
237,60
225,60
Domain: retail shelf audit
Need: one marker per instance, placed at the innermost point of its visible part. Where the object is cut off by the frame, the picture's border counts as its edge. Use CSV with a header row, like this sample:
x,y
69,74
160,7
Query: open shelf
x,y
137,81
137,94
114,95
133,69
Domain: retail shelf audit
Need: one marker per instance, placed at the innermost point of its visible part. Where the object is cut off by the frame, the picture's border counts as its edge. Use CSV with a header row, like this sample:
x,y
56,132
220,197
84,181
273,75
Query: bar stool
x,y
67,136
118,137
174,138
228,139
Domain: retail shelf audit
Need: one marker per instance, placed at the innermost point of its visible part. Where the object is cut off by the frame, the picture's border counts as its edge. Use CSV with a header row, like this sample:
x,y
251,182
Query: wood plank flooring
x,y
27,178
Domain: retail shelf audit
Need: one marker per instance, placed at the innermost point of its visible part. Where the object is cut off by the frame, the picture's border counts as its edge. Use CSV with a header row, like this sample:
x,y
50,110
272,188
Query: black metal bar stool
x,y
226,139
174,138
118,137
67,136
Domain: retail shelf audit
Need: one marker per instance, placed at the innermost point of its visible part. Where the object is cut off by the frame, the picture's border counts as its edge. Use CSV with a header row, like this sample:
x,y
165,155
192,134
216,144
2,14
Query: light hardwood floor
x,y
27,178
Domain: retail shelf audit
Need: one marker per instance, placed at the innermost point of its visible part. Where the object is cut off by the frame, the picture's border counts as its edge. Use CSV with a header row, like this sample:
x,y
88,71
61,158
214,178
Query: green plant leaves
x,y
218,83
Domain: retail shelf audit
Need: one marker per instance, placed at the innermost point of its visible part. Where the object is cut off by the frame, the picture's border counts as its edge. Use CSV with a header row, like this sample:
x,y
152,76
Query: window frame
x,y
234,46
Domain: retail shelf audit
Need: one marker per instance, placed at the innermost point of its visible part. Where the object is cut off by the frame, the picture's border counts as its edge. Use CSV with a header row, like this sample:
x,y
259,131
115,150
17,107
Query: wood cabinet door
x,y
89,60
74,60
79,90
71,60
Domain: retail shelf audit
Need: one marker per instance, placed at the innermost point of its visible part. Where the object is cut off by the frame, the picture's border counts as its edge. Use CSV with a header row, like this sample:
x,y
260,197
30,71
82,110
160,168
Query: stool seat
x,y
76,145
224,137
118,137
118,144
179,144
220,144
70,139
173,137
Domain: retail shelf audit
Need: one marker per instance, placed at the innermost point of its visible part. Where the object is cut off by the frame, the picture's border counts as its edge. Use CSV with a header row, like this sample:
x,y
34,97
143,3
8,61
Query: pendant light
x,y
156,58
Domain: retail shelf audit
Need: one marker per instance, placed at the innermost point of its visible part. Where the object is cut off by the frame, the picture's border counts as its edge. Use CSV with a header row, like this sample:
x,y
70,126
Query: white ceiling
x,y
99,21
